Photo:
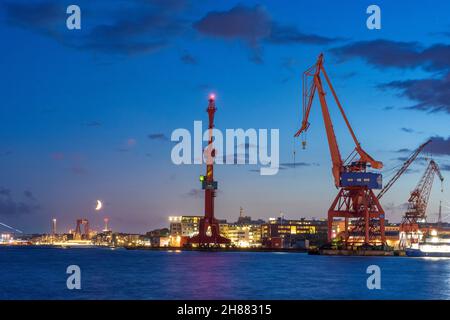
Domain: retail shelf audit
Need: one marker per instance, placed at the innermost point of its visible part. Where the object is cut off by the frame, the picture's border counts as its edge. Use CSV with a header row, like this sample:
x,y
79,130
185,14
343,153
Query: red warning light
x,y
212,96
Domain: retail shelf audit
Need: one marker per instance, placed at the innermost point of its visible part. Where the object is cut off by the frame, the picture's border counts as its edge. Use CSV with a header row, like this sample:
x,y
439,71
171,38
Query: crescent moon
x,y
99,205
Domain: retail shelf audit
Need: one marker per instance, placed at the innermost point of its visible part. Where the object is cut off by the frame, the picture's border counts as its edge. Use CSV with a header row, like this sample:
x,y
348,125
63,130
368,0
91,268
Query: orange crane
x,y
356,202
417,205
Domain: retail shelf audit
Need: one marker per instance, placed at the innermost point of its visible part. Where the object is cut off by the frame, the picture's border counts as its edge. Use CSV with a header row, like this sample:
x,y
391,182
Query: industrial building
x,y
284,233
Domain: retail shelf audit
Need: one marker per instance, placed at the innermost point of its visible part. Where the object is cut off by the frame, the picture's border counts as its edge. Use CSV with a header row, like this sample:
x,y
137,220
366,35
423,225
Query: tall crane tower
x,y
417,205
208,231
356,202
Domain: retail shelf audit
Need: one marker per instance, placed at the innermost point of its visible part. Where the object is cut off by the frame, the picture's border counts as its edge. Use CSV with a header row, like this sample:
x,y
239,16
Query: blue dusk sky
x,y
88,114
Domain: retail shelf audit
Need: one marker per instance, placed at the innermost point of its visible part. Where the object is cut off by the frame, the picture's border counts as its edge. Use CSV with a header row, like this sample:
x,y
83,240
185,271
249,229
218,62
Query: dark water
x,y
40,273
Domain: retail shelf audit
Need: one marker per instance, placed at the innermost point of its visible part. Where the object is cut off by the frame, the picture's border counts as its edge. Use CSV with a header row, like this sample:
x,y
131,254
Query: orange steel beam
x,y
337,162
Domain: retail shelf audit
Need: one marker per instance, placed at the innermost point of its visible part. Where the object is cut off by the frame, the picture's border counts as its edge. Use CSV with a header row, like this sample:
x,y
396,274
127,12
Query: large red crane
x,y
356,203
209,232
417,205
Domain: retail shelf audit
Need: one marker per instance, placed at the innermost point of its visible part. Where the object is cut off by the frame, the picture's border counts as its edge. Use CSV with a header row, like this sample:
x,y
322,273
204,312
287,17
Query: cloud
x,y
73,162
28,194
439,146
57,156
93,124
445,167
250,24
168,5
430,95
410,171
134,28
5,153
187,58
291,35
138,33
289,165
5,192
420,160
198,193
194,193
234,158
253,26
158,136
396,54
289,64
293,165
241,154
10,206
411,130
42,17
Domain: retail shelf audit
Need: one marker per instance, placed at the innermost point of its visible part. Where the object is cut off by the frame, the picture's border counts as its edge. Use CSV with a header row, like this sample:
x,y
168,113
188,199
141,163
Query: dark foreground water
x,y
40,273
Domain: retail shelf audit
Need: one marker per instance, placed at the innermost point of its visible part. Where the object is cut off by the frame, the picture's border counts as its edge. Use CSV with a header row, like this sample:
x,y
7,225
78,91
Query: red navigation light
x,y
212,96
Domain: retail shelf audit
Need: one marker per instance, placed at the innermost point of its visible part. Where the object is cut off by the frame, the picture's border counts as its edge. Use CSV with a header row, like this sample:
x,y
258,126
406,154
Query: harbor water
x,y
40,273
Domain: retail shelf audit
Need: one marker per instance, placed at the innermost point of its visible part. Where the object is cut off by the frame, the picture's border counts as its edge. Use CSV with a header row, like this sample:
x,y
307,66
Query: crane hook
x,y
304,140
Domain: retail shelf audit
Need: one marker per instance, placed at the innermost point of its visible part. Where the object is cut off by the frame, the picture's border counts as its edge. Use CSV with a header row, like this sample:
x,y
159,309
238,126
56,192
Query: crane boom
x,y
402,170
338,165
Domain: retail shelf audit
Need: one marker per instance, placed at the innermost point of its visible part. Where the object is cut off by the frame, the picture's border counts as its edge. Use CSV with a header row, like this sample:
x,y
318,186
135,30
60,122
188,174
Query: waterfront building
x,y
392,234
243,235
184,226
281,232
104,238
6,238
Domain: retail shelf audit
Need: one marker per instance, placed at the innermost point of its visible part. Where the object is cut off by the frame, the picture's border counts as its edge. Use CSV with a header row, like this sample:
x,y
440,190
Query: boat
x,y
433,246
74,244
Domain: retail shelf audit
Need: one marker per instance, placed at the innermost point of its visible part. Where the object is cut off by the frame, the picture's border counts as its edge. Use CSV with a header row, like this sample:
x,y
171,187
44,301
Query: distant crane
x,y
356,201
209,228
78,234
417,205
402,170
